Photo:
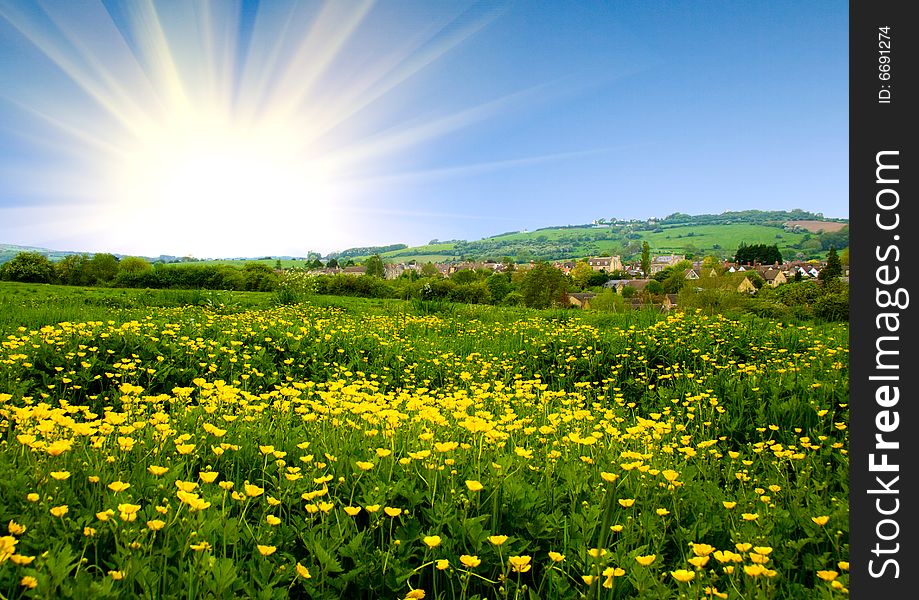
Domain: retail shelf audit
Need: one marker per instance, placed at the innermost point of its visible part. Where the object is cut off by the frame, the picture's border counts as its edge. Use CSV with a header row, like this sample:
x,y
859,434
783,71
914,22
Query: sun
x,y
207,167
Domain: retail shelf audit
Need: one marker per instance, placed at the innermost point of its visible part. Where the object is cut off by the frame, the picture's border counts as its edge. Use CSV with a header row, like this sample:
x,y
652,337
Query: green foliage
x,y
758,253
833,268
543,286
375,267
102,268
28,267
645,258
259,277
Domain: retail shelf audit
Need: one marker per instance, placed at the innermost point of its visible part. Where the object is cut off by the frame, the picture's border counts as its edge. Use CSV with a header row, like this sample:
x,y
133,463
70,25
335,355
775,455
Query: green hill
x,y
699,235
695,235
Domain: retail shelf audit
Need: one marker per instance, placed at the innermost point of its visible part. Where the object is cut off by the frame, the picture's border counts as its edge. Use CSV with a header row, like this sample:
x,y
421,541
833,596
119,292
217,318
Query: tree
x,y
28,267
332,264
645,258
102,268
581,273
133,265
833,268
543,286
429,269
72,269
375,267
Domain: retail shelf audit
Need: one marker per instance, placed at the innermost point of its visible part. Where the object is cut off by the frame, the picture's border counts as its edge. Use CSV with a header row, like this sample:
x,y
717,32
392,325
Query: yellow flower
x,y
609,477
15,528
470,561
663,512
556,556
59,511
702,549
116,575
185,448
474,486
762,549
616,528
743,547
60,475
118,486
352,511
843,565
226,485
626,502
364,465
827,575
200,546
520,564
266,550
713,591
303,571
28,581
588,579
253,490
432,541
442,564
682,575
699,561
157,470
93,479
729,505
155,525
497,540
392,512
208,476
383,452
670,475
646,560
415,595
89,531
754,570
266,449
273,520
19,559
186,486
822,520
371,508
597,552
33,497
128,512
749,516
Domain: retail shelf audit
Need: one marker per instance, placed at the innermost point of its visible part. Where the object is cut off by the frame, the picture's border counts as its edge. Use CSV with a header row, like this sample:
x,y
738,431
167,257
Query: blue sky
x,y
278,127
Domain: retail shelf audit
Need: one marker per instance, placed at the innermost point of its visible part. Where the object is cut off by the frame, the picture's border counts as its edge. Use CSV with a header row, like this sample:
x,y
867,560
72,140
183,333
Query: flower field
x,y
321,452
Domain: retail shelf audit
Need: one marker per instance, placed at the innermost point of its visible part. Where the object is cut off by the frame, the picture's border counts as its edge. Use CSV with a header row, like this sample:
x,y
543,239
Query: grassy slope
x,y
588,241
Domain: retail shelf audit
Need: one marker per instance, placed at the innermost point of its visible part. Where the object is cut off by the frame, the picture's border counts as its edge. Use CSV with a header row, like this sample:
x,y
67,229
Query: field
x,y
379,449
571,243
815,226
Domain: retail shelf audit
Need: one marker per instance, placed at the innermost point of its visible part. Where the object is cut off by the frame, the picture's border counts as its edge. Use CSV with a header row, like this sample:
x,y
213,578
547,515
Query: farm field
x,y
347,448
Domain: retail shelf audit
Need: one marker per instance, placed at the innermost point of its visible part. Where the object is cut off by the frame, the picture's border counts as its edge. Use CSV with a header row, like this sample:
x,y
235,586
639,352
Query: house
x,y
659,263
692,274
605,263
354,270
580,300
746,286
773,276
637,284
616,284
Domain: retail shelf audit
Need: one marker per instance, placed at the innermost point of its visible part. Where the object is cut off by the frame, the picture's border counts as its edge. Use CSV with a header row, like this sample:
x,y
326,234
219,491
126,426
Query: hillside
x,y
798,234
698,235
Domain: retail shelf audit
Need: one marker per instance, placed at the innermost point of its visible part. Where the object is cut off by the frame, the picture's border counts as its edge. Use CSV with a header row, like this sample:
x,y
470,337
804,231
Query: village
x,y
626,279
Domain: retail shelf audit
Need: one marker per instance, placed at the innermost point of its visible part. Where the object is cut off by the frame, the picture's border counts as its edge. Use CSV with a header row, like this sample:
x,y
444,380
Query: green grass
x,y
33,305
588,241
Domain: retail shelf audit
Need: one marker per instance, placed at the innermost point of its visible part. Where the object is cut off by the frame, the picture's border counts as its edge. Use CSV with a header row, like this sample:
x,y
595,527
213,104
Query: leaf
x,y
326,561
